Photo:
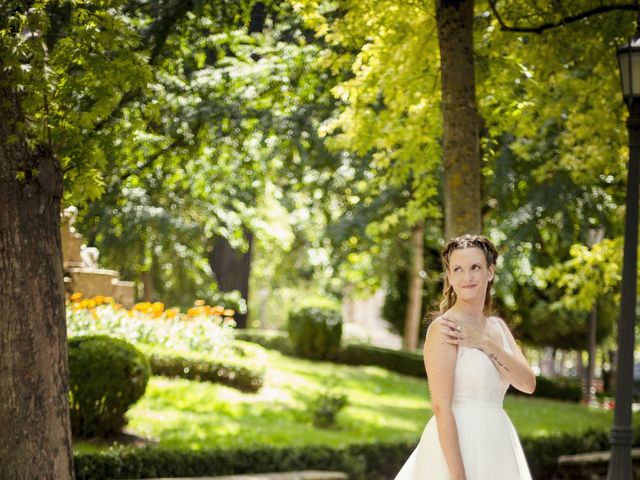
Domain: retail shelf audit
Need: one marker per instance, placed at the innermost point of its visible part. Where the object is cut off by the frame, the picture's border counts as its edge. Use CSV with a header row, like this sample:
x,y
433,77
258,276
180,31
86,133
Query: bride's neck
x,y
469,312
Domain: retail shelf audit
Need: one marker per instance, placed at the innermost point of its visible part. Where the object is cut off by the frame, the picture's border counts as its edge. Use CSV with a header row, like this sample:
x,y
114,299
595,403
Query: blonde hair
x,y
459,243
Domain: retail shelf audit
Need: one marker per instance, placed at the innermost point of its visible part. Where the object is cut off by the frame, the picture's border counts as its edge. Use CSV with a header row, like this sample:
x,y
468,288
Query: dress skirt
x,y
489,445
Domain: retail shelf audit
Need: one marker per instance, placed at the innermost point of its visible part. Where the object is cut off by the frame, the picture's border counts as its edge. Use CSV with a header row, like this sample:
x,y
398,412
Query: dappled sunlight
x,y
382,406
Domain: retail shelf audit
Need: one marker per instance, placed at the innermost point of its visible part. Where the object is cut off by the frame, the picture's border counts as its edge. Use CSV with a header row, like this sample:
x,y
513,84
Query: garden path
x,y
363,321
305,475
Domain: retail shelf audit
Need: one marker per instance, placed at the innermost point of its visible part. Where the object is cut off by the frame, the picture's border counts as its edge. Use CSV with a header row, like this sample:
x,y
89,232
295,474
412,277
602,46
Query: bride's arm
x,y
440,361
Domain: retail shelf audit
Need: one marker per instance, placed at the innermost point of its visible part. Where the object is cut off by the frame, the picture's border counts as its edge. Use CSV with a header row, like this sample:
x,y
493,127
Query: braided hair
x,y
459,243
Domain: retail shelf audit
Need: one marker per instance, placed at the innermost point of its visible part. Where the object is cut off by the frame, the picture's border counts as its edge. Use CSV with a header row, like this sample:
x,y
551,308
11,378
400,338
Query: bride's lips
x,y
469,286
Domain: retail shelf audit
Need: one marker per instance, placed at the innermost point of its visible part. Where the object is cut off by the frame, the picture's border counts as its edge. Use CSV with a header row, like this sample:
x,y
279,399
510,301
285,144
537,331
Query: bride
x,y
470,358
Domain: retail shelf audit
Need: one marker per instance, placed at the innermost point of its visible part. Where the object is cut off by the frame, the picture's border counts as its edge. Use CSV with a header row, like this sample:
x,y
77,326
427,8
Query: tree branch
x,y
563,21
178,142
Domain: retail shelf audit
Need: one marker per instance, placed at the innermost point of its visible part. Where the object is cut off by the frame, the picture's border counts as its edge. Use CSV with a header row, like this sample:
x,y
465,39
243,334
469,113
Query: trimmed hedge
x,y
203,370
400,361
151,462
557,388
270,339
375,461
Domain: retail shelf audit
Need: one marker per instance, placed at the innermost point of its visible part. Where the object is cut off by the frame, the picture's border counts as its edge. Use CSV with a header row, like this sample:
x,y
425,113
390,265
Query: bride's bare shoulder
x,y
434,331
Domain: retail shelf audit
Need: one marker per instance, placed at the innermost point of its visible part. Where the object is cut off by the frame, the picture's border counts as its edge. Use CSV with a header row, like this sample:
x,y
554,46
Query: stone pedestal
x,y
591,466
71,245
124,293
81,272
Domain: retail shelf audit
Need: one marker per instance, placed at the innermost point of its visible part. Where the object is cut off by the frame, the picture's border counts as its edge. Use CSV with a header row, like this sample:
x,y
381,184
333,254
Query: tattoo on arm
x,y
497,362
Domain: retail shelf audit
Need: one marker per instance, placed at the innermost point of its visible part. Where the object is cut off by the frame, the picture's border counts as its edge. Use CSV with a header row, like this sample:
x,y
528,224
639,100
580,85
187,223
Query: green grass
x,y
383,406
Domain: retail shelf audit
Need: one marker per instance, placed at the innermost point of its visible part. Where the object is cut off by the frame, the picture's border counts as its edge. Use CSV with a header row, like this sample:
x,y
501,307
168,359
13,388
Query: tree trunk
x,y
591,365
414,302
148,289
35,442
461,149
231,269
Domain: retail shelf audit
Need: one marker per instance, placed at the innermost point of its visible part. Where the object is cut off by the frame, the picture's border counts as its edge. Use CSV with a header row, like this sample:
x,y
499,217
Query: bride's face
x,y
469,274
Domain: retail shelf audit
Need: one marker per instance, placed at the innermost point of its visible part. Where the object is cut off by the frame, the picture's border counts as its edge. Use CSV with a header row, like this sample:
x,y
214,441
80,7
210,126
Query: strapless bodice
x,y
477,381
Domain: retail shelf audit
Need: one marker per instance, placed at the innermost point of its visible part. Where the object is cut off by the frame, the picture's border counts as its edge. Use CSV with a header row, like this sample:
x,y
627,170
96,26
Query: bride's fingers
x,y
451,332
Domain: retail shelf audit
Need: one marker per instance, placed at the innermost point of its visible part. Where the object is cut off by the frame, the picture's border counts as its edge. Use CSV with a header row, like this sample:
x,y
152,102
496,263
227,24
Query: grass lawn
x,y
383,406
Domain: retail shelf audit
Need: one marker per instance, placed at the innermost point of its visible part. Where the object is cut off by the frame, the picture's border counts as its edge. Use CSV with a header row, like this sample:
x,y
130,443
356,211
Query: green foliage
x,y
192,367
315,331
106,377
395,301
326,406
589,273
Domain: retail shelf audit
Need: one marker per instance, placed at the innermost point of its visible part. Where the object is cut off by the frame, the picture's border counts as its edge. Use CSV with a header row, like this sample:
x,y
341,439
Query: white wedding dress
x,y
488,442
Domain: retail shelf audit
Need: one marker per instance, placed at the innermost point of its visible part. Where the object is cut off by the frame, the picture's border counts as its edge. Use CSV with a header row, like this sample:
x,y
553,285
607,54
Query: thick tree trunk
x,y
414,302
35,439
461,149
231,269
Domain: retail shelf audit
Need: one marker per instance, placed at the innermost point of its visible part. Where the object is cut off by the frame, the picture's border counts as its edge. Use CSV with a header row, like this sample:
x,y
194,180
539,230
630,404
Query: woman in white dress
x,y
470,358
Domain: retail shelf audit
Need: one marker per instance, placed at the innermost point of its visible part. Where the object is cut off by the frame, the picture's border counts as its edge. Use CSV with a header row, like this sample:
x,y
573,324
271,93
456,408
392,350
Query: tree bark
x,y
231,269
414,301
460,124
35,442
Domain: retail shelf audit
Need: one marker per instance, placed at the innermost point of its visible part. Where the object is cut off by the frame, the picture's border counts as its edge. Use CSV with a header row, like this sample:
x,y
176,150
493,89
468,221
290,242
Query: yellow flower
x,y
198,303
229,312
75,296
142,306
156,309
217,310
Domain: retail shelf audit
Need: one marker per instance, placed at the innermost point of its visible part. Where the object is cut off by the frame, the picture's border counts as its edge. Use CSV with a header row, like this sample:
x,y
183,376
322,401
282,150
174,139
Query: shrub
x,y
106,376
315,332
326,407
557,388
399,361
201,370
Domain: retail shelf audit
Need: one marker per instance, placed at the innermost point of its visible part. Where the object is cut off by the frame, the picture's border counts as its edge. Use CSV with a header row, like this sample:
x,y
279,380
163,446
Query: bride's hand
x,y
467,336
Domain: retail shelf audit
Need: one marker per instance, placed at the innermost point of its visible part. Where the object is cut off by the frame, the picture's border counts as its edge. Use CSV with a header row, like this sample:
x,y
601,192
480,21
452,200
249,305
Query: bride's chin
x,y
468,296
